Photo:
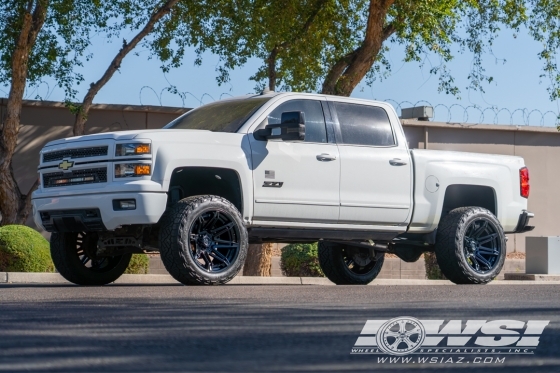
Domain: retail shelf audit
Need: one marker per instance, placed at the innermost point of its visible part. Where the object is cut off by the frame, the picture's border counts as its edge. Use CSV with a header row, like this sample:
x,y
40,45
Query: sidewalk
x,y
55,278
393,268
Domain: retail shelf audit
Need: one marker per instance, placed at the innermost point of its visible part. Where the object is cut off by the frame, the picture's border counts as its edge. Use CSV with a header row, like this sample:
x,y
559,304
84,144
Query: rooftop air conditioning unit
x,y
418,112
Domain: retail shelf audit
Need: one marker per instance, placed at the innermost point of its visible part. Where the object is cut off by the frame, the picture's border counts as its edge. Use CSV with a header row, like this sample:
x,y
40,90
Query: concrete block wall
x,y
393,268
156,266
540,147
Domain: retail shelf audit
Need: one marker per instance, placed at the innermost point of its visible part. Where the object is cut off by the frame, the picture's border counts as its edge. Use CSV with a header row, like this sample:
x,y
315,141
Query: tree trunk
x,y
81,117
271,69
14,205
259,260
350,69
273,56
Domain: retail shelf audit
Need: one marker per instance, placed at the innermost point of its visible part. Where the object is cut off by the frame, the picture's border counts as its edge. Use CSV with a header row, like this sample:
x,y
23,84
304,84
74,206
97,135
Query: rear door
x,y
376,168
297,181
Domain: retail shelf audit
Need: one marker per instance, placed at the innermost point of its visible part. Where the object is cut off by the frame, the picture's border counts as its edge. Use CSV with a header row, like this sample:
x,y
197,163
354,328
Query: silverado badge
x,y
65,165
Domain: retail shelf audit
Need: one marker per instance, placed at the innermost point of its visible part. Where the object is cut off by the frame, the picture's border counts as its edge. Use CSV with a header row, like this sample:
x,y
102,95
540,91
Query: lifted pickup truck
x,y
277,167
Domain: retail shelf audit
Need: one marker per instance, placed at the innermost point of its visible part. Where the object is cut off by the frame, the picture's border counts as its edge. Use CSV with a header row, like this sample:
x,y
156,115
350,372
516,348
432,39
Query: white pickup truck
x,y
276,167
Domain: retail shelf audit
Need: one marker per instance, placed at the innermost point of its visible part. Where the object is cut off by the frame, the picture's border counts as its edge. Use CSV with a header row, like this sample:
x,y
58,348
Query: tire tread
x,y
67,266
330,262
448,247
171,242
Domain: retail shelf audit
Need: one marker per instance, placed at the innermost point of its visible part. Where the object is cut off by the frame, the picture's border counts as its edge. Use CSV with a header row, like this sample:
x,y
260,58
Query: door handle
x,y
397,162
324,157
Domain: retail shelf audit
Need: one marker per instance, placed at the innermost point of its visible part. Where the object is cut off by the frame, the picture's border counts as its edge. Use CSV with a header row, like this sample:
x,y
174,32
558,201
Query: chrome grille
x,y
59,155
76,177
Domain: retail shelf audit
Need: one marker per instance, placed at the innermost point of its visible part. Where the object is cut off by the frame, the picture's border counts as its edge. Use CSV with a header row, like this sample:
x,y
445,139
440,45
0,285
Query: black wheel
x,y
470,246
74,256
203,241
349,265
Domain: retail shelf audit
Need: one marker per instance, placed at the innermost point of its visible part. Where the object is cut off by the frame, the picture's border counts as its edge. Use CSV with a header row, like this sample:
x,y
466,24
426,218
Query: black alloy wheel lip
x,y
97,264
208,240
476,242
348,261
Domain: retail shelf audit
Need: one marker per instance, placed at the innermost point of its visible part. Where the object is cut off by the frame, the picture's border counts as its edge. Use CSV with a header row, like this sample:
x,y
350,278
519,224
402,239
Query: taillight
x,y
524,182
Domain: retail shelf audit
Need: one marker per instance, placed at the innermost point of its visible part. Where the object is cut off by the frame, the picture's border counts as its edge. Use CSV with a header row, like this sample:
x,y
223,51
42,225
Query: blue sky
x,y
517,87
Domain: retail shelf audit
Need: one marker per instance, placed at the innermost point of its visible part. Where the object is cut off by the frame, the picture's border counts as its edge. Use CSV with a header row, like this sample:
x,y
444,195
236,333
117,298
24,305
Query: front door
x,y
297,181
376,176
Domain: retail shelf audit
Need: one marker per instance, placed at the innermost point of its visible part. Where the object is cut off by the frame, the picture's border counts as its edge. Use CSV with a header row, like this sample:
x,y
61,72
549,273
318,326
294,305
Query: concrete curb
x,y
146,279
517,282
315,281
531,277
34,278
402,281
253,280
55,278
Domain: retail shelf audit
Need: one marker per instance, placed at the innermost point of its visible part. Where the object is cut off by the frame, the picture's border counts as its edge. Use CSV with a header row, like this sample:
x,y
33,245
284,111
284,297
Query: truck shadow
x,y
65,328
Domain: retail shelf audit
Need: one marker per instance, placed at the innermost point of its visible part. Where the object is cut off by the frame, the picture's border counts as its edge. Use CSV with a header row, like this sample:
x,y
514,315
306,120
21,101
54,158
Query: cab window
x,y
364,125
315,130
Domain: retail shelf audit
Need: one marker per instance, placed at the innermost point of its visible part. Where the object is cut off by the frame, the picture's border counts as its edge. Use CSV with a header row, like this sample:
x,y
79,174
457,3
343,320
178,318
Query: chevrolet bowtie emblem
x,y
65,165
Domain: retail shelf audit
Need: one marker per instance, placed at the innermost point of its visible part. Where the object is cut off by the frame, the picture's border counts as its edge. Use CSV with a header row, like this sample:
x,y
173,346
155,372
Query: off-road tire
x,y
332,263
67,262
449,245
174,249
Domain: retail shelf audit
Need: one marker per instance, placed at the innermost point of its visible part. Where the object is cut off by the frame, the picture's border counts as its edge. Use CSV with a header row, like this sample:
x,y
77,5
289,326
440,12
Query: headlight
x,y
132,149
132,170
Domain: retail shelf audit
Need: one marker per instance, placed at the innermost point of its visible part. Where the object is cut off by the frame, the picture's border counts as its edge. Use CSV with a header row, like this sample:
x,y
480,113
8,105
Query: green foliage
x,y
300,260
543,25
74,108
177,31
301,39
63,41
432,268
432,32
23,249
303,33
139,265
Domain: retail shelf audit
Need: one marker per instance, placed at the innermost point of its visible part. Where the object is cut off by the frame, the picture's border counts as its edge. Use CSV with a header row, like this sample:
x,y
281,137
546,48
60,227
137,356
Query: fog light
x,y
132,170
124,204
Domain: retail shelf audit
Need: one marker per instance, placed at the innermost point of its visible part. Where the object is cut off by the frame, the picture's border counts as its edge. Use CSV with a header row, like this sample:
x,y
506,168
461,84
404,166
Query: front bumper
x,y
96,212
522,224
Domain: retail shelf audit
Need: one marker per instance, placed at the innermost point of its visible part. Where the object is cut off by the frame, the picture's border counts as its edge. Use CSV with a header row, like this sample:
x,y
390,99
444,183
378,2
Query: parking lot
x,y
240,328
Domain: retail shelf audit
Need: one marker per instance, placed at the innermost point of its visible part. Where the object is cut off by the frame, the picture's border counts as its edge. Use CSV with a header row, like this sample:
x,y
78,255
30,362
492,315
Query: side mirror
x,y
291,127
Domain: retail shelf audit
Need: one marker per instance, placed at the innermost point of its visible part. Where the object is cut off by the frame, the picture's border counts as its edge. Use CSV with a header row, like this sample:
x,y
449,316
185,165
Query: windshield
x,y
221,116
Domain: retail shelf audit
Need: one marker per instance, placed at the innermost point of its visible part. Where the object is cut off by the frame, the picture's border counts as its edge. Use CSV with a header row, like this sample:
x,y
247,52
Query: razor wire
x,y
452,114
456,113
475,114
183,95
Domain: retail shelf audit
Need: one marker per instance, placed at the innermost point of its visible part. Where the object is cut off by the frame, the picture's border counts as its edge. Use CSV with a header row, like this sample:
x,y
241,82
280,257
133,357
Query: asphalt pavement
x,y
242,328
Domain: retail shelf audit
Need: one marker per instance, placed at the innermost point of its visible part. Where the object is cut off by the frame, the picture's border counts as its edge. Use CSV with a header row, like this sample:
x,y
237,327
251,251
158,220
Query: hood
x,y
120,135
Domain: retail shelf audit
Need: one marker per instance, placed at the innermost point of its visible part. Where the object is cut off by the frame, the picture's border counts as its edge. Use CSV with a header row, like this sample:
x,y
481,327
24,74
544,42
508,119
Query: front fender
x,y
207,149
